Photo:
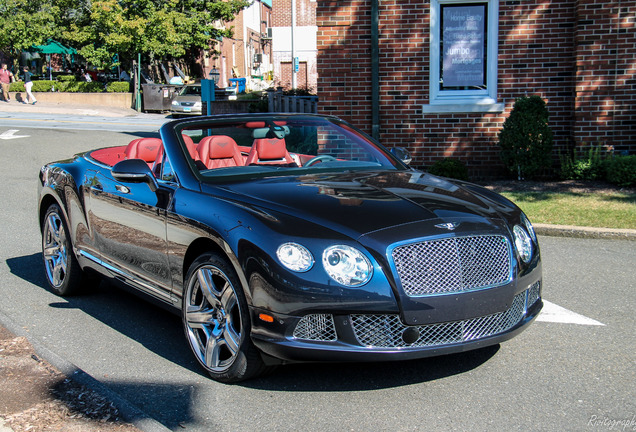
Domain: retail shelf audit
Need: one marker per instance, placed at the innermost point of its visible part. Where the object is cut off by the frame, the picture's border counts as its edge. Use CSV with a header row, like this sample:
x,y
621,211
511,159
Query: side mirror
x,y
402,154
135,171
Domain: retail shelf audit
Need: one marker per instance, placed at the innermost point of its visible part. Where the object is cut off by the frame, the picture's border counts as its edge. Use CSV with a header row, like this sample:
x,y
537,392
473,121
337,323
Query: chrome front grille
x,y
316,327
387,331
453,264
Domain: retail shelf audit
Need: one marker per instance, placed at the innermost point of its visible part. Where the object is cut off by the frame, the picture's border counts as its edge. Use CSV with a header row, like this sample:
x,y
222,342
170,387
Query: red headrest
x,y
270,148
143,148
217,147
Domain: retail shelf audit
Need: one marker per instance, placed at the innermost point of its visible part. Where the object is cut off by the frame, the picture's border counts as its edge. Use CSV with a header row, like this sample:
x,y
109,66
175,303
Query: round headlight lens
x,y
295,257
529,227
346,265
523,243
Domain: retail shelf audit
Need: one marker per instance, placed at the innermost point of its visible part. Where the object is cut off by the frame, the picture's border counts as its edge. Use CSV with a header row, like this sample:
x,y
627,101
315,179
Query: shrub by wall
x,y
449,167
621,170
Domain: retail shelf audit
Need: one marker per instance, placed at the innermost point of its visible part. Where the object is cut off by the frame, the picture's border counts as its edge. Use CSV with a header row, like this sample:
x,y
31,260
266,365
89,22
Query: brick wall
x,y
578,55
305,13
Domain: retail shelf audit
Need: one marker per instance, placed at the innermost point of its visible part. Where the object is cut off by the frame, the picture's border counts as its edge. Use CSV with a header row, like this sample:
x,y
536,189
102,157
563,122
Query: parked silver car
x,y
187,101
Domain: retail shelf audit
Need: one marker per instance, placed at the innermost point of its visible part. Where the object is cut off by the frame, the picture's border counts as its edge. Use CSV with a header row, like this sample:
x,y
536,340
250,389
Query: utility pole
x,y
293,49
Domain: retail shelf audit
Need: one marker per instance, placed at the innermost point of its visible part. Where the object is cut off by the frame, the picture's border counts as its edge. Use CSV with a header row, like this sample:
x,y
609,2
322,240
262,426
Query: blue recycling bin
x,y
239,83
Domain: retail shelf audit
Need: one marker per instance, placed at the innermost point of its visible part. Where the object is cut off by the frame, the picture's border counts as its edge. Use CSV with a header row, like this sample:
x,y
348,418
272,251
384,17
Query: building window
x,y
463,63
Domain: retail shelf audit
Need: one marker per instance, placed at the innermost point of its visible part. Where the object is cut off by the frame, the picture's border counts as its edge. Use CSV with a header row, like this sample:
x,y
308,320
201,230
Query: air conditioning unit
x,y
268,34
258,58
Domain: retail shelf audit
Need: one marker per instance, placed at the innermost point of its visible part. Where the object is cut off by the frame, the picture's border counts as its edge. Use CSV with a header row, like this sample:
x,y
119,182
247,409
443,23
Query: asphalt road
x,y
554,376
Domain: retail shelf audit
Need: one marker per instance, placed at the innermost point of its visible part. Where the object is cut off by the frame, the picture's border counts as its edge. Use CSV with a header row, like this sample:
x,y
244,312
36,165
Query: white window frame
x,y
464,100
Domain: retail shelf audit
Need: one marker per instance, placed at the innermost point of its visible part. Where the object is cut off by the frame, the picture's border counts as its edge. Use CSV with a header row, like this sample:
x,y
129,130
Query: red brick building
x,y
578,55
304,43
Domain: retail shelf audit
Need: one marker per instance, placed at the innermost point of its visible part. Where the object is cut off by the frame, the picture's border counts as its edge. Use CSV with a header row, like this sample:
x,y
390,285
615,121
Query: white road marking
x,y
10,135
557,314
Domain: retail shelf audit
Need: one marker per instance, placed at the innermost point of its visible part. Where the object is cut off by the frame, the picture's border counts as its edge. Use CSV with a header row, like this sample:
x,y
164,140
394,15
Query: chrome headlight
x,y
295,257
175,103
197,105
523,243
346,265
529,227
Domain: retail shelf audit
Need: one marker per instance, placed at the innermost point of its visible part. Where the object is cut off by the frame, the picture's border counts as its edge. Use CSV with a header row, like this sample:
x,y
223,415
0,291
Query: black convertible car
x,y
285,238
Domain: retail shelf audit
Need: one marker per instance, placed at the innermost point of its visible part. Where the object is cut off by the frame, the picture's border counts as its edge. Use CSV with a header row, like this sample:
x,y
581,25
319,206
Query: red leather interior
x,y
219,151
145,149
269,151
192,147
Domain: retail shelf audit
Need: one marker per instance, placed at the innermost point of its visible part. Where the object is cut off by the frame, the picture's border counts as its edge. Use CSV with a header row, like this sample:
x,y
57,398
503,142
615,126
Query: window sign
x,y
463,47
463,66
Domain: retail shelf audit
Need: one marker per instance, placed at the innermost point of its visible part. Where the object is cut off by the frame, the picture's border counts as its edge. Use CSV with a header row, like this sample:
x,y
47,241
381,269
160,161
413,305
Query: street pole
x,y
293,49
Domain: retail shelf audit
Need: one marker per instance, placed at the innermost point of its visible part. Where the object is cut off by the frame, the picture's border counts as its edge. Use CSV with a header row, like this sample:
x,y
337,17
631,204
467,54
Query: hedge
x,y
72,86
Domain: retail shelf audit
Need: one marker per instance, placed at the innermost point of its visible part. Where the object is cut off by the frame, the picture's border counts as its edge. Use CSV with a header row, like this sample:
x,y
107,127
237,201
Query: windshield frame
x,y
385,159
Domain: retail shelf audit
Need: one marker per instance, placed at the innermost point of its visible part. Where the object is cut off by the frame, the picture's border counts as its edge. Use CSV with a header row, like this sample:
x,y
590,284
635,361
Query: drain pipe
x,y
375,70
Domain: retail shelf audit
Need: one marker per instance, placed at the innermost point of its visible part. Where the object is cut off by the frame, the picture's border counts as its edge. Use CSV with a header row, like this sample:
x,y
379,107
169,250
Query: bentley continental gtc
x,y
284,238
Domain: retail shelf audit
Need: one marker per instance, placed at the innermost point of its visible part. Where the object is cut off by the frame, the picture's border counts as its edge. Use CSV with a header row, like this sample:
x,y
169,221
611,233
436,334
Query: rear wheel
x,y
216,321
63,272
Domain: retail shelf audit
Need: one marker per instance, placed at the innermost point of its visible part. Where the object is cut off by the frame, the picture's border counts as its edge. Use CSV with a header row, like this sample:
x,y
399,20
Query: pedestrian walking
x,y
27,86
5,80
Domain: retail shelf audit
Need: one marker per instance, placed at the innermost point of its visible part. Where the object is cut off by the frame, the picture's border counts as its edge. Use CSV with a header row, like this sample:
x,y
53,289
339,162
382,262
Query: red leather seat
x,y
192,147
266,151
145,149
219,151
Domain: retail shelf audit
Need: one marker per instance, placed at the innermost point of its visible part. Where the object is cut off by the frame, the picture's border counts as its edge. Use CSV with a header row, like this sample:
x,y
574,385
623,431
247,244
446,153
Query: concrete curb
x,y
585,232
128,411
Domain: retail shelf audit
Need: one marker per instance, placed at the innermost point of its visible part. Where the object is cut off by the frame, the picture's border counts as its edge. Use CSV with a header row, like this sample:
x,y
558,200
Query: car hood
x,y
364,202
188,98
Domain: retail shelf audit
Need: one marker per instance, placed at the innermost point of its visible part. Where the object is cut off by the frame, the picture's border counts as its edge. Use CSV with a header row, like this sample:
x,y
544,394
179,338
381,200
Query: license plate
x,y
187,109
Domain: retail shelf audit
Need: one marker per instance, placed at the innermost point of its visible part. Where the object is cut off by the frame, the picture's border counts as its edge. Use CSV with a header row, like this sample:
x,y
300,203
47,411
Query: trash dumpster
x,y
158,97
239,83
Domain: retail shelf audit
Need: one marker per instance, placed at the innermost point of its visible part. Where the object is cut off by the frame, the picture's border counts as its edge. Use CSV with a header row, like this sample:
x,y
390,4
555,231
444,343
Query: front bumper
x,y
377,337
185,110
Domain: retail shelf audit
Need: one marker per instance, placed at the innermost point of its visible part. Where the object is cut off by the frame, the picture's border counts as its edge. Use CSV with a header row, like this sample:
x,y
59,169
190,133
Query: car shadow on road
x,y
157,329
343,377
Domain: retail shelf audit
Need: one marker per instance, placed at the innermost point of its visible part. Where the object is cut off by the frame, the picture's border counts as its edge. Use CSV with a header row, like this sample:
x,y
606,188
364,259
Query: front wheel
x,y
63,273
216,321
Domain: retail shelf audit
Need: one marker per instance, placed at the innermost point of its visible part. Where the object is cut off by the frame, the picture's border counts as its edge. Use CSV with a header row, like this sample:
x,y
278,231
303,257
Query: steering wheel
x,y
320,158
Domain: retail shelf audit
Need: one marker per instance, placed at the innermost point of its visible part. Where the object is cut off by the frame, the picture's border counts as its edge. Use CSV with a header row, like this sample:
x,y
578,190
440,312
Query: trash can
x,y
158,97
239,83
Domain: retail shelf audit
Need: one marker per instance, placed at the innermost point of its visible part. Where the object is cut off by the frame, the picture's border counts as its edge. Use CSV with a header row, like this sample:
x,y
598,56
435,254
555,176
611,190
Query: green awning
x,y
53,47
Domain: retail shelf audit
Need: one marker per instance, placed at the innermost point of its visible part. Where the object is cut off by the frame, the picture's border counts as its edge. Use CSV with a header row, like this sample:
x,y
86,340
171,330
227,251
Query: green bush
x,y
81,87
526,138
118,87
66,78
43,85
621,170
17,86
584,165
448,167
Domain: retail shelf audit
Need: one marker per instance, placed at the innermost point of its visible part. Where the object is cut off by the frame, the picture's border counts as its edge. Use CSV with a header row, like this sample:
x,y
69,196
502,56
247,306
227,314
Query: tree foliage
x,y
24,23
102,29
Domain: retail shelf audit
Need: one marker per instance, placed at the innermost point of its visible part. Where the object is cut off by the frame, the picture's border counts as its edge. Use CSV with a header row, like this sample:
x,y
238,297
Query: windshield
x,y
279,145
190,91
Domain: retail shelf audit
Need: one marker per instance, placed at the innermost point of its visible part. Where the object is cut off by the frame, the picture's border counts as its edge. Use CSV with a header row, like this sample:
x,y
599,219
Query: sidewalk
x,y
56,108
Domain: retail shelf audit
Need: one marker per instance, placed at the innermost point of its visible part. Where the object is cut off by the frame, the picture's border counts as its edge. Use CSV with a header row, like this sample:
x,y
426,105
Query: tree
x,y
25,23
158,29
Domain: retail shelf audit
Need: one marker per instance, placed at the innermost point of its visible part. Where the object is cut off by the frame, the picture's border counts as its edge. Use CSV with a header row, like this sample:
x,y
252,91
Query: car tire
x,y
63,273
216,321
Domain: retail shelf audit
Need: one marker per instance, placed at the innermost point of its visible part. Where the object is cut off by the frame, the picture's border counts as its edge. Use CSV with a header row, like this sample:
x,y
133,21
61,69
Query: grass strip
x,y
602,210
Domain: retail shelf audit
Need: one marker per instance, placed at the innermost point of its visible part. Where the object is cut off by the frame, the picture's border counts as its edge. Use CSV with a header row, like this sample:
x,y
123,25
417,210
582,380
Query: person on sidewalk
x,y
27,86
5,80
